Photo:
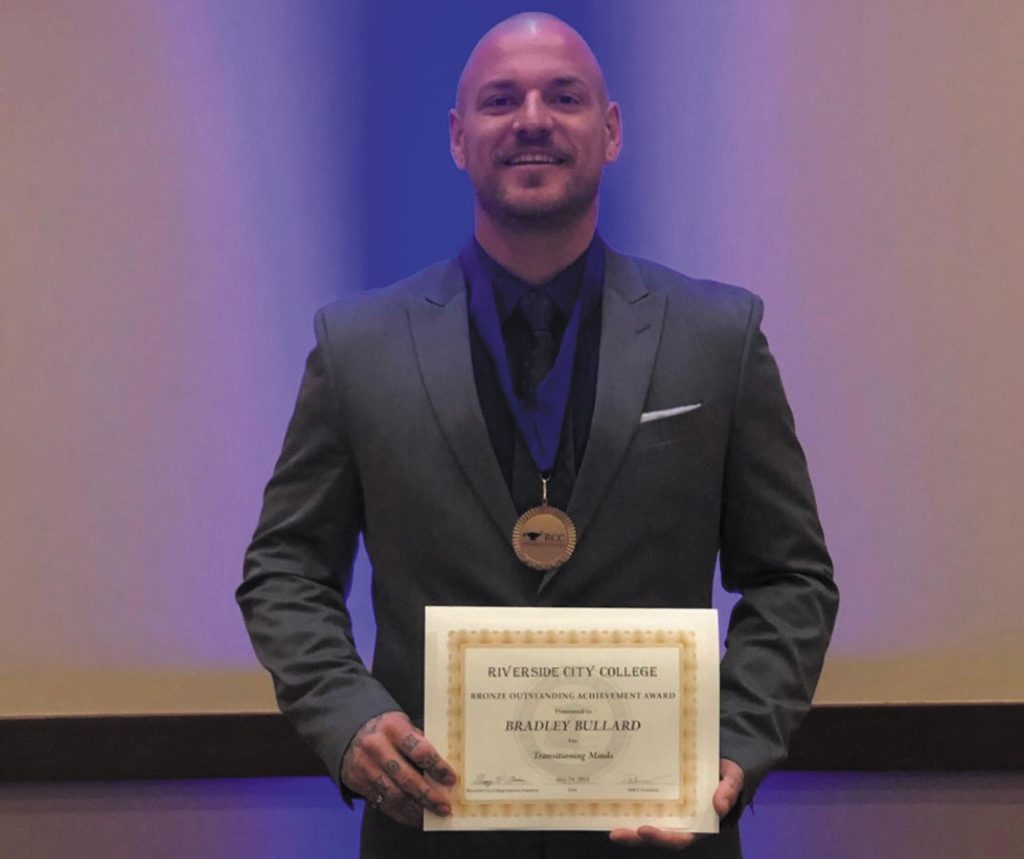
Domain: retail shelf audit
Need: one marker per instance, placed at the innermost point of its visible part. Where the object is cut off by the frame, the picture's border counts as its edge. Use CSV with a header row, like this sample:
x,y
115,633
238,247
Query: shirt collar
x,y
563,288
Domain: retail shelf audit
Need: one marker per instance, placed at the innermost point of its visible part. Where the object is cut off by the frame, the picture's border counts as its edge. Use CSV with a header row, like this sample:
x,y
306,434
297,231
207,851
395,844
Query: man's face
x,y
533,128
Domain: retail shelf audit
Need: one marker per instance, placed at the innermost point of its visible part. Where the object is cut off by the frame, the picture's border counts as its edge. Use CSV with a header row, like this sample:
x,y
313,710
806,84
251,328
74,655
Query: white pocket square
x,y
661,414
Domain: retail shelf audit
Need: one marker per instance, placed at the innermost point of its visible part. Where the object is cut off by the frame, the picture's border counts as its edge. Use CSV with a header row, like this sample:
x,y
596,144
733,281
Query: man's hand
x,y
730,783
387,761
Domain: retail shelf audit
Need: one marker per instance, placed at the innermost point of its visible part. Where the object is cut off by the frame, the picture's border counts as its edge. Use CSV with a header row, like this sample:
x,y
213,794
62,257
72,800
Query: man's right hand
x,y
389,762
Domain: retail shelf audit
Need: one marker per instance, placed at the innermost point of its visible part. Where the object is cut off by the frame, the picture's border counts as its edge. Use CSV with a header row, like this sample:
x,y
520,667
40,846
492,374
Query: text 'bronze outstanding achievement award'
x,y
569,718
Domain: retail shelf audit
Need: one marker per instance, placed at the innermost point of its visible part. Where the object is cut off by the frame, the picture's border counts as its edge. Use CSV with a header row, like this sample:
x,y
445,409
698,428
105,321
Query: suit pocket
x,y
675,428
662,414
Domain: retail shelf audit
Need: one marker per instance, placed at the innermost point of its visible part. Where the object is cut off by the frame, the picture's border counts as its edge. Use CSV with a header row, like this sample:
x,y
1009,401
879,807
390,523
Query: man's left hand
x,y
730,784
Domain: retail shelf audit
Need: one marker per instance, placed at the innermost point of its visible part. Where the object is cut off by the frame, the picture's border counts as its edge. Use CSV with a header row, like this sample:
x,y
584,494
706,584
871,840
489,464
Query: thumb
x,y
729,786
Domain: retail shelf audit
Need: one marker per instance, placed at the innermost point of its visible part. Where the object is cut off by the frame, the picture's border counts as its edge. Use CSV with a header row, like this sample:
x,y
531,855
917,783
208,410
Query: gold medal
x,y
544,537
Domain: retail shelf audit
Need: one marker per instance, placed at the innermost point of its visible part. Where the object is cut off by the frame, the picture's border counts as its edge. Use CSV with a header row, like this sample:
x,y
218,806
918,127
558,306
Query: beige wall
x,y
859,164
171,217
163,247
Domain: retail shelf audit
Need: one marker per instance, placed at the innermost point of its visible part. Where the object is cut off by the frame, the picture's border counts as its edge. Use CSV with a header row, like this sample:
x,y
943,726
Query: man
x,y
434,412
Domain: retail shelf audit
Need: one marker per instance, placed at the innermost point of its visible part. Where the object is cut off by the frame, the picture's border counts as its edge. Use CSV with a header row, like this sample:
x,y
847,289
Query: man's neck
x,y
535,257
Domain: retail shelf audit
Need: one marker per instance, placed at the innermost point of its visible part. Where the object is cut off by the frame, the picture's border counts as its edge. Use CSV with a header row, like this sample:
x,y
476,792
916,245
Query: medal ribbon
x,y
540,426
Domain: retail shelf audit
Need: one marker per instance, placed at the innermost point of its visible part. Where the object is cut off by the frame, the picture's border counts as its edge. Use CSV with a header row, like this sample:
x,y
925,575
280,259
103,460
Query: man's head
x,y
532,124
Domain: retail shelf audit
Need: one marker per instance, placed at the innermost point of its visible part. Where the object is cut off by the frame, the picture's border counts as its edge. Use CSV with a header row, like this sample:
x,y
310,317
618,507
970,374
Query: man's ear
x,y
613,128
455,139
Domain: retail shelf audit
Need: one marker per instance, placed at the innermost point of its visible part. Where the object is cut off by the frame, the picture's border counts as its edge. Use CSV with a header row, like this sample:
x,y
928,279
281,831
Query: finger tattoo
x,y
392,767
410,743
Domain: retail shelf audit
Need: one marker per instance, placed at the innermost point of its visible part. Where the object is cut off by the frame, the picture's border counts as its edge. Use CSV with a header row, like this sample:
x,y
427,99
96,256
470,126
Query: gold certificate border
x,y
461,639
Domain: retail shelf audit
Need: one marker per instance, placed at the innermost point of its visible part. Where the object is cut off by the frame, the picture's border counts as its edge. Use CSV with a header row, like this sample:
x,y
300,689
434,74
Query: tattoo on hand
x,y
410,743
369,728
392,767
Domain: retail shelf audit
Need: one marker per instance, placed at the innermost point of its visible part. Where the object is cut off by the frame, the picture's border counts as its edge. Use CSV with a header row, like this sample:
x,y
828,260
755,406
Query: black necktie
x,y
540,313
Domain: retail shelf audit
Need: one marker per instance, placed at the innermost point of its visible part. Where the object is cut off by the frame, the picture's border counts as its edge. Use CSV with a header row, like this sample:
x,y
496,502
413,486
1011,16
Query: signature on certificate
x,y
483,780
632,778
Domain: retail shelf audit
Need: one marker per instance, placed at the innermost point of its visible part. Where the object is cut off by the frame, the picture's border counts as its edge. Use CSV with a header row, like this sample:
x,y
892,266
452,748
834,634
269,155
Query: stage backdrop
x,y
185,182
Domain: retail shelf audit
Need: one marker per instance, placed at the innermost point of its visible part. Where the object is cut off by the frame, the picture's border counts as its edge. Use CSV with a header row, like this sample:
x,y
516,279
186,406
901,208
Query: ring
x,y
378,801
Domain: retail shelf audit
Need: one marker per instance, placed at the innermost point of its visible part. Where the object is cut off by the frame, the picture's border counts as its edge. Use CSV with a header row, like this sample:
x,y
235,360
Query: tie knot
x,y
538,310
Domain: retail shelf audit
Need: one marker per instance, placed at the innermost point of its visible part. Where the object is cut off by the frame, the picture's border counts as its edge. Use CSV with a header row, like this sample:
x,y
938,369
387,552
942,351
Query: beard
x,y
538,215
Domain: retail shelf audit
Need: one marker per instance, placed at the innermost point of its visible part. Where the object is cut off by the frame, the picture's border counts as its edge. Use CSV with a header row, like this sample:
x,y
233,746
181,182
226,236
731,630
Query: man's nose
x,y
533,119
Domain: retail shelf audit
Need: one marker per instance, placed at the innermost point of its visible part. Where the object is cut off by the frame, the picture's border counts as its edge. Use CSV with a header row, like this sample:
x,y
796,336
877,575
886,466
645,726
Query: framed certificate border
x,y
687,637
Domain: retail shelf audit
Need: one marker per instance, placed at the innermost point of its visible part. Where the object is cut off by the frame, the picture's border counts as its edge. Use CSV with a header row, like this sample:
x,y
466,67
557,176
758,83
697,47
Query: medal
x,y
544,537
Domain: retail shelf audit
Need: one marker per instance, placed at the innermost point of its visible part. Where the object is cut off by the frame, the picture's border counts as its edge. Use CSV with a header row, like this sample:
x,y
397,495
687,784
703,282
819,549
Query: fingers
x,y
652,836
417,749
730,786
386,762
414,757
386,797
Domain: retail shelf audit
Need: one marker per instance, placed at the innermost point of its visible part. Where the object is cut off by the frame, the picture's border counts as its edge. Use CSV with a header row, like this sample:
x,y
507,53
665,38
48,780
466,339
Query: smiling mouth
x,y
533,159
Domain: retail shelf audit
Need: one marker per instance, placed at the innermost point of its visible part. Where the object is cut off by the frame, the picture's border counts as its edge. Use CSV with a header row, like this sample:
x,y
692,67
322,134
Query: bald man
x,y
645,403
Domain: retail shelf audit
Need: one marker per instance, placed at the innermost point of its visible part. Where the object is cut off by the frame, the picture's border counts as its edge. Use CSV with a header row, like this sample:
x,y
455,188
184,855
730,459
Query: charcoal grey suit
x,y
388,440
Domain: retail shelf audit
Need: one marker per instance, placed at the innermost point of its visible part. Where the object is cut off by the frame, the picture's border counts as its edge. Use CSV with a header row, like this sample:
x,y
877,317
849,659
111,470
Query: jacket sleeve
x,y
773,554
298,569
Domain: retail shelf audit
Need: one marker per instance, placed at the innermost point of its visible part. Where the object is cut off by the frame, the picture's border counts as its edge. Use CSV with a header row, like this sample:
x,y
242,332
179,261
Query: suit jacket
x,y
388,441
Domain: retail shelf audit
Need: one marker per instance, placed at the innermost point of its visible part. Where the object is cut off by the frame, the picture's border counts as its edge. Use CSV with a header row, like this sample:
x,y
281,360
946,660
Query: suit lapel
x,y
439,320
631,325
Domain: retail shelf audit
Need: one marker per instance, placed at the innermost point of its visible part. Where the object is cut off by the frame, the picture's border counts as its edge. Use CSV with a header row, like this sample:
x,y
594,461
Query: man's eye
x,y
566,98
498,101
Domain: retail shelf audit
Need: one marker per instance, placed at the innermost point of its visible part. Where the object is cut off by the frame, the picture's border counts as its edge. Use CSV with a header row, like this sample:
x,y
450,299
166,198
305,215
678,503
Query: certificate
x,y
574,718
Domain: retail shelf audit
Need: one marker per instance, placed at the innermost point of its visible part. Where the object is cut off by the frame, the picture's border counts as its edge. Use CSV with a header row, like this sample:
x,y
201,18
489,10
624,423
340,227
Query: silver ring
x,y
378,801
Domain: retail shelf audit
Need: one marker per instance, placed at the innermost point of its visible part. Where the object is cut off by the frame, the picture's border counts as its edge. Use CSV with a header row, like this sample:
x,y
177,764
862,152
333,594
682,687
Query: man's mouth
x,y
520,159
